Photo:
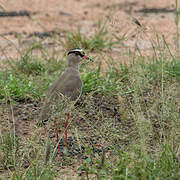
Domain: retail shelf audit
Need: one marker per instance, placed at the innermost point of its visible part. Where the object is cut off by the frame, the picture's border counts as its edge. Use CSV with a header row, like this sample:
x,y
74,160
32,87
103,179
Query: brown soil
x,y
88,116
25,116
123,17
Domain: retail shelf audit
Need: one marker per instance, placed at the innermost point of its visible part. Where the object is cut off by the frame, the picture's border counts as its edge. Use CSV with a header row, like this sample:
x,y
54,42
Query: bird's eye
x,y
79,54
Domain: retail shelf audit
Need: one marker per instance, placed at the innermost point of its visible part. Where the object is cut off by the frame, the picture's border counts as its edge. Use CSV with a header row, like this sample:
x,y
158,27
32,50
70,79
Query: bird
x,y
65,91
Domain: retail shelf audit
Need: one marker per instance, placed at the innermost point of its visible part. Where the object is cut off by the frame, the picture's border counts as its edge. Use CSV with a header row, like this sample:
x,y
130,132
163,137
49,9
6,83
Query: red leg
x,y
66,126
57,136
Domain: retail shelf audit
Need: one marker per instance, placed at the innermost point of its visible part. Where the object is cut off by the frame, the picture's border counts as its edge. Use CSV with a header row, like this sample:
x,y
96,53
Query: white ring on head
x,y
76,50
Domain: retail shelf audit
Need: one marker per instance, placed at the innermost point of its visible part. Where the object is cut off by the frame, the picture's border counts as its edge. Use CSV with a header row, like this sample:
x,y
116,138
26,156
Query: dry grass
x,y
125,126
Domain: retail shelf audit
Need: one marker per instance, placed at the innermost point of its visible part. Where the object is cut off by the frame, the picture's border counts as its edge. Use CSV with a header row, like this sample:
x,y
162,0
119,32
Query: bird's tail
x,y
44,114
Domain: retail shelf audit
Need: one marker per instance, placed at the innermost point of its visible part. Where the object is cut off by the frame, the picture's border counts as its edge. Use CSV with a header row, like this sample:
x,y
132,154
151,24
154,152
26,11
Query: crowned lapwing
x,y
68,85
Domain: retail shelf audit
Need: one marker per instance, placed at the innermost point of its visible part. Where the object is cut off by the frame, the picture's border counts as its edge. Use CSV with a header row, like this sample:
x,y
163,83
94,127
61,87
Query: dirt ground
x,y
40,16
44,16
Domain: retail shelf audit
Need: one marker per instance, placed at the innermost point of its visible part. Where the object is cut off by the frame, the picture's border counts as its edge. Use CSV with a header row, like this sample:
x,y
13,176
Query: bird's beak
x,y
86,57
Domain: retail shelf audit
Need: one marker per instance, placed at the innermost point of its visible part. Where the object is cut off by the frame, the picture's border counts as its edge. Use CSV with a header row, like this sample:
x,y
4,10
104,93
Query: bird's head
x,y
76,55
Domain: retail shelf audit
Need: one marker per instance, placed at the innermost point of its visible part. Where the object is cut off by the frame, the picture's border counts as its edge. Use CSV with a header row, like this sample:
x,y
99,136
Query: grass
x,y
16,87
127,119
9,150
97,42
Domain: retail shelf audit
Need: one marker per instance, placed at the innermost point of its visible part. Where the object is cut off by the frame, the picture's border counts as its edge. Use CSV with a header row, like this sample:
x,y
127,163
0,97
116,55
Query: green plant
x,y
34,173
14,87
29,64
94,166
9,147
96,42
107,82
